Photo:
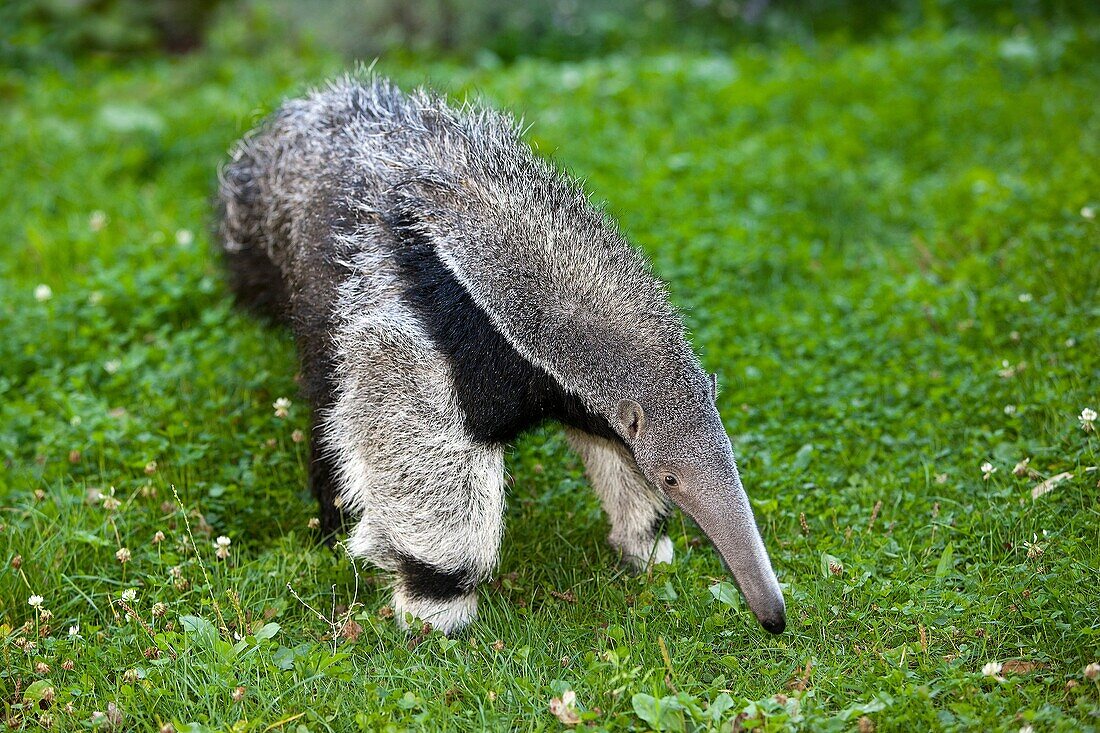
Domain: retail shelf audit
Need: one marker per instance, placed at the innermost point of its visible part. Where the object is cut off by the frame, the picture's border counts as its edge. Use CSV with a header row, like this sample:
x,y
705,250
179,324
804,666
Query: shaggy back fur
x,y
512,229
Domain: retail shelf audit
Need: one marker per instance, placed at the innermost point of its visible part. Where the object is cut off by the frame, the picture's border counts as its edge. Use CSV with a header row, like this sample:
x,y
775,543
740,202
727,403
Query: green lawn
x,y
889,253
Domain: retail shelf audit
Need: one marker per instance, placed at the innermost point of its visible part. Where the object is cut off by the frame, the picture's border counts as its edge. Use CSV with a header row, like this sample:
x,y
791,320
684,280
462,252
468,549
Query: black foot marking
x,y
424,580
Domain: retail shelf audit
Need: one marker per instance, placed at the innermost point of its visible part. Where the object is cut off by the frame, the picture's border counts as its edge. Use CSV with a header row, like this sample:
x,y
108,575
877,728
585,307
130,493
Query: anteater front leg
x,y
438,530
430,499
452,540
636,510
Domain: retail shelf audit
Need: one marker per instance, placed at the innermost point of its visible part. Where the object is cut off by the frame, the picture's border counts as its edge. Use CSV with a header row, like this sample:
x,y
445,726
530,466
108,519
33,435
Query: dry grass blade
x,y
1021,666
1045,487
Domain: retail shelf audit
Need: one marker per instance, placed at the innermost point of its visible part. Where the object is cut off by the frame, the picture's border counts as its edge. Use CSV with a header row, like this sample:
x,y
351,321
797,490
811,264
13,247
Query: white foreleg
x,y
636,510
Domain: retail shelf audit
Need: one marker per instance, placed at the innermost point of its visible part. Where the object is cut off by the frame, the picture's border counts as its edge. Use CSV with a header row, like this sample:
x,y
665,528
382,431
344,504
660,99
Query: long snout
x,y
748,561
726,518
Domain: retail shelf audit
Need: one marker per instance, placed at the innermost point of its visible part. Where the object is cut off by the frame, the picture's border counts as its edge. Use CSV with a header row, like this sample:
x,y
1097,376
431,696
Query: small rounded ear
x,y
632,418
714,387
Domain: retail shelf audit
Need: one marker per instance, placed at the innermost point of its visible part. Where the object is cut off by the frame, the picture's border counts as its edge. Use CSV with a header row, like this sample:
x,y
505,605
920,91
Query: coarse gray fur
x,y
320,208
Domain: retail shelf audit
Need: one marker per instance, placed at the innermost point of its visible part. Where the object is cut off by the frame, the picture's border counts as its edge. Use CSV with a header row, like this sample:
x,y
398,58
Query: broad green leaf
x,y
91,539
36,690
803,457
727,594
199,630
267,631
719,706
662,714
946,564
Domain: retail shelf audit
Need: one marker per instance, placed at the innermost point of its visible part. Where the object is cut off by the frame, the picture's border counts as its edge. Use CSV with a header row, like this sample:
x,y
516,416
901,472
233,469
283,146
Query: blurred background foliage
x,y
58,31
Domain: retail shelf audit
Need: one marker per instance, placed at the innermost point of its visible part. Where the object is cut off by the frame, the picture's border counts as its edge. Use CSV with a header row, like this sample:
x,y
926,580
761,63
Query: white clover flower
x,y
42,293
1034,548
97,220
1010,410
74,630
988,469
184,237
282,407
565,708
123,554
1024,297
991,669
129,595
222,547
1088,212
112,366
1088,419
36,601
1027,729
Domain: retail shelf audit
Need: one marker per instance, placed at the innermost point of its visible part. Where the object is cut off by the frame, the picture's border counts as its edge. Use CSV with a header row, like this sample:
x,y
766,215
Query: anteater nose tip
x,y
775,625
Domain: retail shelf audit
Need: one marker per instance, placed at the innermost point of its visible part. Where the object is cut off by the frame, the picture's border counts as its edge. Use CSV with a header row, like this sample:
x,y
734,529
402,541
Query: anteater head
x,y
681,446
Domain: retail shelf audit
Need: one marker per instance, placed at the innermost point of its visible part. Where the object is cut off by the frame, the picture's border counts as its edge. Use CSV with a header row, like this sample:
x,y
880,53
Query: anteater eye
x,y
670,481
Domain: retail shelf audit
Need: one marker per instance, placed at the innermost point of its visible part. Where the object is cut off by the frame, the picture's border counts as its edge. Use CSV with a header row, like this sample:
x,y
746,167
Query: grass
x,y
887,251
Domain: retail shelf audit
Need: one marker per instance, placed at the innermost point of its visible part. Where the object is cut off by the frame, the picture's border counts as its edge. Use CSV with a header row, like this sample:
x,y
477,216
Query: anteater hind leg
x,y
319,389
636,510
324,485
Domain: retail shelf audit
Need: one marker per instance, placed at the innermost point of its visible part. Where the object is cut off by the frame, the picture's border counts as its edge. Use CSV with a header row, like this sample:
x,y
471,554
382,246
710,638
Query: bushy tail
x,y
256,281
